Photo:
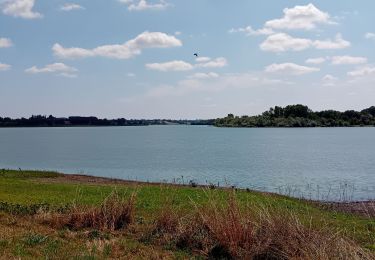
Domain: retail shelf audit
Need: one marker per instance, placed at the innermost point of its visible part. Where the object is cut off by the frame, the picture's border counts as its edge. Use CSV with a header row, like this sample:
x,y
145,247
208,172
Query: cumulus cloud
x,y
363,71
370,35
249,31
59,68
215,63
282,42
4,67
305,17
127,50
337,43
141,5
71,53
71,7
202,59
290,68
348,60
5,43
209,75
20,8
319,60
176,65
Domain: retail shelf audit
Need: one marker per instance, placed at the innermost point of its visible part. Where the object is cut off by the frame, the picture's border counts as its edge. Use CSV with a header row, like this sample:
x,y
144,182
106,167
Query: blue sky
x,y
134,58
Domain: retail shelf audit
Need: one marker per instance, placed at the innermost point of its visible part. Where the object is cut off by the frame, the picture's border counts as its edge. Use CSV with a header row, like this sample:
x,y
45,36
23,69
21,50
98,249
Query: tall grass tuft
x,y
113,214
226,230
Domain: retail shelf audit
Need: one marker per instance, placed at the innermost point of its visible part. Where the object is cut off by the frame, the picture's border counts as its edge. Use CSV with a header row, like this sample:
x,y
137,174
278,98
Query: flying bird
x,y
196,54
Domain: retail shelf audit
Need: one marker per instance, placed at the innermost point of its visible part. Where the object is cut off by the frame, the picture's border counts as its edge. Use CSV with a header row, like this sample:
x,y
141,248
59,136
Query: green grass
x,y
26,174
28,188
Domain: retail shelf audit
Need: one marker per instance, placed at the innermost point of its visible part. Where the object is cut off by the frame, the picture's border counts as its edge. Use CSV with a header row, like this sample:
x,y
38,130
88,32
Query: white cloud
x,y
348,60
141,5
71,7
5,43
216,63
209,75
370,35
4,67
59,68
338,43
130,75
68,75
20,8
305,17
319,60
290,68
329,80
282,42
363,71
248,30
202,59
176,65
127,50
71,53
329,77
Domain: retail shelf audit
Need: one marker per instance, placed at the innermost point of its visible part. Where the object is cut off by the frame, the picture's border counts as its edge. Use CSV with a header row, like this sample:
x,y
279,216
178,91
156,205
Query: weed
x,y
20,250
33,239
107,250
51,248
3,243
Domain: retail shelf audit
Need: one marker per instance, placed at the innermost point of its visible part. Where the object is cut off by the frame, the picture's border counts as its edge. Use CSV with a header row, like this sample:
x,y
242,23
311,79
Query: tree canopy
x,y
51,121
301,116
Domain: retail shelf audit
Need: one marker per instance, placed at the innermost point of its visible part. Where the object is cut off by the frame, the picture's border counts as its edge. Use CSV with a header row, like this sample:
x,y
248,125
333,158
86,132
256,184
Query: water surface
x,y
314,162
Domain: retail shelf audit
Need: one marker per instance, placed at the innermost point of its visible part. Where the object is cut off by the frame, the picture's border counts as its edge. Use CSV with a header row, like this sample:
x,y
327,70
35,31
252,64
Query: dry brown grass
x,y
225,230
113,214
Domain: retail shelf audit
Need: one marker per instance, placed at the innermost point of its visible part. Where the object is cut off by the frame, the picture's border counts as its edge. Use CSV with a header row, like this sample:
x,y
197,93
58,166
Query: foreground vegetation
x,y
301,116
50,215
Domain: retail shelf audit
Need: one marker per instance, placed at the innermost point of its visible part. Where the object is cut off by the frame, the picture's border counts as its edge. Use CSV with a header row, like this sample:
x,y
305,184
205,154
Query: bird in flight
x,y
196,54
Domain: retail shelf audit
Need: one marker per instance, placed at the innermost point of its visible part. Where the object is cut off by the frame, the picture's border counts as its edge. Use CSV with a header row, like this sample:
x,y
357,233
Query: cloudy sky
x,y
134,58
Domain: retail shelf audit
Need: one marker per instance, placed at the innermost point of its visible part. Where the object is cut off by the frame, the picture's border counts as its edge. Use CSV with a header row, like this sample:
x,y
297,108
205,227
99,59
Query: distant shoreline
x,y
91,121
291,116
225,127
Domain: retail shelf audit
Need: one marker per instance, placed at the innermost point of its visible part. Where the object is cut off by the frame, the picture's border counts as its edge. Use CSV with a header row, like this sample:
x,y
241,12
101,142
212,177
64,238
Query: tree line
x,y
301,116
51,121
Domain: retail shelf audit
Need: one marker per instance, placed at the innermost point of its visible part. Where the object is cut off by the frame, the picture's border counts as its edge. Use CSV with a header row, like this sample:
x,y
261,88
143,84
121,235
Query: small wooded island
x,y
301,116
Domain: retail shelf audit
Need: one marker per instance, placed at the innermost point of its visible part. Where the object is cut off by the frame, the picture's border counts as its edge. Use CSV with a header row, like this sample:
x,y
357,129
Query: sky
x,y
135,58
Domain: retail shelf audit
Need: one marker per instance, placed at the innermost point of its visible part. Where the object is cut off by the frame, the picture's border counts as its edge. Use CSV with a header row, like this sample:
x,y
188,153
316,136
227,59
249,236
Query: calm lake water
x,y
333,163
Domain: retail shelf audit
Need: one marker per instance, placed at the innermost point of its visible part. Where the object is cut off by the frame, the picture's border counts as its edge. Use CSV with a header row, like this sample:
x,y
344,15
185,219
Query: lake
x,y
317,163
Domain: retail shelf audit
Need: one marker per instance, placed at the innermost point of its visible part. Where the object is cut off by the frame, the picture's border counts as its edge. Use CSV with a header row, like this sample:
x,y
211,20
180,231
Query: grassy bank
x,y
51,215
